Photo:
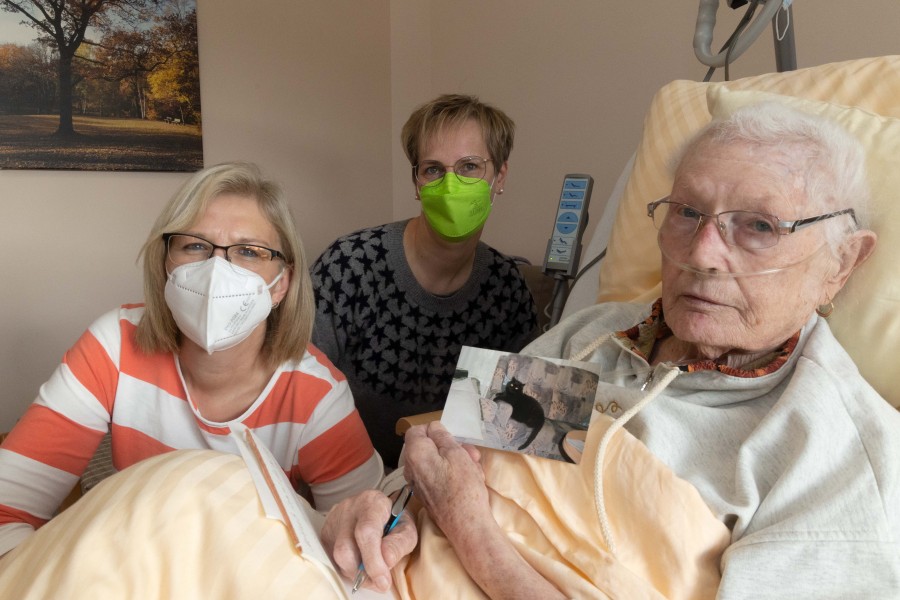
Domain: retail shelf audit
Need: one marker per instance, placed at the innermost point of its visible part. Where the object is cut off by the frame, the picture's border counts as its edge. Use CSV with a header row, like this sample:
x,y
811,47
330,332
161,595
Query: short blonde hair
x,y
454,110
289,326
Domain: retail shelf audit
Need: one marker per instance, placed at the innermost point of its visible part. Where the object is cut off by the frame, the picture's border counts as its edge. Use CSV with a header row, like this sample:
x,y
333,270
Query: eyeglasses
x,y
183,249
741,228
473,167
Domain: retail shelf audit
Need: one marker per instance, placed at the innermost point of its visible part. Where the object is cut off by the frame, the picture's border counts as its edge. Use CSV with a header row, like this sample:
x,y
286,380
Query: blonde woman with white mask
x,y
221,339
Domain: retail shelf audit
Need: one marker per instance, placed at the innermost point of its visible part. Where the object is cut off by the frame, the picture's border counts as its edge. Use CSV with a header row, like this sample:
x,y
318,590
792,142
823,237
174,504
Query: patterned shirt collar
x,y
644,336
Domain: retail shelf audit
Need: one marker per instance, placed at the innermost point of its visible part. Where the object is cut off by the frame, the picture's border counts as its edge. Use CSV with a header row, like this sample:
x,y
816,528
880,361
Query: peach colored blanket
x,y
188,524
668,543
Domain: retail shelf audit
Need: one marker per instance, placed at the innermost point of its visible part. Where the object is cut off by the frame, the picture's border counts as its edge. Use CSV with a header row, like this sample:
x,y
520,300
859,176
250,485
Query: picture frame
x,y
102,86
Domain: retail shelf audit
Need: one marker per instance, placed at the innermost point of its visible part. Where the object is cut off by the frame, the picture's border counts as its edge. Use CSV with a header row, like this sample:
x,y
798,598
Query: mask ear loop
x,y
274,281
498,192
269,286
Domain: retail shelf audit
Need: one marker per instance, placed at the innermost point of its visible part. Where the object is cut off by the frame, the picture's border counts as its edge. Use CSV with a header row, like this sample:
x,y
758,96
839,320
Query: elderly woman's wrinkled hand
x,y
448,479
352,535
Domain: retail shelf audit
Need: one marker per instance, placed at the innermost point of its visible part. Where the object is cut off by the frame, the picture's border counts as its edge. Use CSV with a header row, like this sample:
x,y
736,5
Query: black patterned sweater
x,y
396,343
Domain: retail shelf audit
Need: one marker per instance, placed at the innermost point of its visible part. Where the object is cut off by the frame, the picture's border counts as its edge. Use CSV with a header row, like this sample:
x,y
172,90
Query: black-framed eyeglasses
x,y
183,249
468,168
742,228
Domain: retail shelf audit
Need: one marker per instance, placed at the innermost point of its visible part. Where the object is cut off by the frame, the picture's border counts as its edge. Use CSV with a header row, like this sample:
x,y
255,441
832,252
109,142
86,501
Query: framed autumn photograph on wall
x,y
100,85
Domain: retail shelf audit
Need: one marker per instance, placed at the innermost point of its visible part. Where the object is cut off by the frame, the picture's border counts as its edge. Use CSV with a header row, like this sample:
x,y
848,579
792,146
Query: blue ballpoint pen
x,y
396,511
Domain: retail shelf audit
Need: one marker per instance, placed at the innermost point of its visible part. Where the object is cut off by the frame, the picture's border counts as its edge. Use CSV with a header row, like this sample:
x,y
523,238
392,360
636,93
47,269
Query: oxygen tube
x,y
717,273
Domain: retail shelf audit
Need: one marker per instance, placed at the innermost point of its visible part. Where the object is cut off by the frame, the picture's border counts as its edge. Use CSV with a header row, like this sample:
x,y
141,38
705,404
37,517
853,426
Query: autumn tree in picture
x,y
102,84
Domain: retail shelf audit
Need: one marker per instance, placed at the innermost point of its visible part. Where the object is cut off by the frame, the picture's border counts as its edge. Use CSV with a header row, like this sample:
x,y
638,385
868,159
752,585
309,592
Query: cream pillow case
x,y
631,269
866,317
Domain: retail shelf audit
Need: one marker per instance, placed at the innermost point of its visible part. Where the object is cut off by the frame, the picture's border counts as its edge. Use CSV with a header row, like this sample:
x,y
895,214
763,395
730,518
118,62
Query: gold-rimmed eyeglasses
x,y
742,228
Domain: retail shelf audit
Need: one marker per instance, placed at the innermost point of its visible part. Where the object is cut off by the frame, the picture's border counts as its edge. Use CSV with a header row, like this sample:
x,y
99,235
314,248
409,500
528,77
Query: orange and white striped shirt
x,y
305,416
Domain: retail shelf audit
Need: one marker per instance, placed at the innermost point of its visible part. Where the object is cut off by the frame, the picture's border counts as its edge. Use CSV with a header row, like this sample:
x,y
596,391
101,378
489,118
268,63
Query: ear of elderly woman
x,y
768,417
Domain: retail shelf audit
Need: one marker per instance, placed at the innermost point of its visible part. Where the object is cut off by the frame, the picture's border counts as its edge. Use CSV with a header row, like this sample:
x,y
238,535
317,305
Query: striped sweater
x,y
305,416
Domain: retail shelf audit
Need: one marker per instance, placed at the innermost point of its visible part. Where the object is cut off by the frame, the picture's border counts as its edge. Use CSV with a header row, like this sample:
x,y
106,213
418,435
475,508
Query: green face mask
x,y
455,206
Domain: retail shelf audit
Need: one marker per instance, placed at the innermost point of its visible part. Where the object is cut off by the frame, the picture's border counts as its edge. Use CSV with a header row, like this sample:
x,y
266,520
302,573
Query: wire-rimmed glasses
x,y
742,228
183,249
469,169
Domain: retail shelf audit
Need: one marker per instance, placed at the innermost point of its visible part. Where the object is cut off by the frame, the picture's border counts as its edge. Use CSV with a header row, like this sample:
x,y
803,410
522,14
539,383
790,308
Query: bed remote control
x,y
564,246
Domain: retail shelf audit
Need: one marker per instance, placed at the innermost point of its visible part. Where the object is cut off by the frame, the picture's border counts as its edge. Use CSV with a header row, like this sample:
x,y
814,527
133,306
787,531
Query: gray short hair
x,y
835,176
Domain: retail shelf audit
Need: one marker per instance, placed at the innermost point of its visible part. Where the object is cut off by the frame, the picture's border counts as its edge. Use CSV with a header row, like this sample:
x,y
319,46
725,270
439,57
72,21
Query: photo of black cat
x,y
525,409
532,403
520,403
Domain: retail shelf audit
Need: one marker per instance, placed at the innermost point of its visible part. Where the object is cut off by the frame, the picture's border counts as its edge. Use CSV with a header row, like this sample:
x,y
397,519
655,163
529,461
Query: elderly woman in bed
x,y
737,383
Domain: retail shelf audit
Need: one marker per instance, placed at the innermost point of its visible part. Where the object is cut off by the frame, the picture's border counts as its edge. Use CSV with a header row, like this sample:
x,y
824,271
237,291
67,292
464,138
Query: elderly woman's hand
x,y
450,482
448,479
352,535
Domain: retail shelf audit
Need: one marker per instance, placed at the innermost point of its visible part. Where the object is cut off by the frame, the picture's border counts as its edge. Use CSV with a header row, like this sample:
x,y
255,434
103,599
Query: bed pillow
x,y
631,269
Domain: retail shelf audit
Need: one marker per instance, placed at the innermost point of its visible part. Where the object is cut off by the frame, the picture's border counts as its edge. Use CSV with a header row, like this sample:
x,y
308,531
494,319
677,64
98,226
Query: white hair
x,y
835,177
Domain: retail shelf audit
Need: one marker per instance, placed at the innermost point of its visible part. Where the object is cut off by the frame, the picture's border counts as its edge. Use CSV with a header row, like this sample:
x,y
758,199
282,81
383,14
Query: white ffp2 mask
x,y
217,304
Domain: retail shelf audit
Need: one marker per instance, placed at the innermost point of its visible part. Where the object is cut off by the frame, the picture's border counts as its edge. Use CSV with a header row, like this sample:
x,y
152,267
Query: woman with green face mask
x,y
396,302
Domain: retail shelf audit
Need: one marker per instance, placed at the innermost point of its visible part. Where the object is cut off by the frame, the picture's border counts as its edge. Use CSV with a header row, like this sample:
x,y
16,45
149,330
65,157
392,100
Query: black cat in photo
x,y
525,409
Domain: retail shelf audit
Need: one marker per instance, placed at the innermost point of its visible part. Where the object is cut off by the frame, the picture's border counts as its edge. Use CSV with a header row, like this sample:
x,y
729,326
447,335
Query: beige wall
x,y
316,92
